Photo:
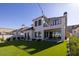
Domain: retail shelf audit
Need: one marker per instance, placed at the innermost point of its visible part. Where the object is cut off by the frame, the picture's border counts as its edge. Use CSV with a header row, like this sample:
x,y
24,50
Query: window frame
x,y
39,22
39,34
35,34
36,23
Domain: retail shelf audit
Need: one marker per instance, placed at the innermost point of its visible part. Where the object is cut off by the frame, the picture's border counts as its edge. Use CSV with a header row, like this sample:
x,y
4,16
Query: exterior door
x,y
25,35
28,36
50,35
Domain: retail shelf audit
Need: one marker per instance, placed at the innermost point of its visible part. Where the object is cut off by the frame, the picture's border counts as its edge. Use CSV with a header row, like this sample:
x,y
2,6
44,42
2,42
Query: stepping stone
x,y
31,49
22,46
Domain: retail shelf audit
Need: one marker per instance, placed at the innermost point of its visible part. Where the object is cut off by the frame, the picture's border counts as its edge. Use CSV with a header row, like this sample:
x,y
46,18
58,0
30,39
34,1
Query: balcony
x,y
51,26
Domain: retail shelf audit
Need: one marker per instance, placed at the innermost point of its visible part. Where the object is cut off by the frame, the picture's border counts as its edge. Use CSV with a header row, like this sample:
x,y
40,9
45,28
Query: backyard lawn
x,y
26,48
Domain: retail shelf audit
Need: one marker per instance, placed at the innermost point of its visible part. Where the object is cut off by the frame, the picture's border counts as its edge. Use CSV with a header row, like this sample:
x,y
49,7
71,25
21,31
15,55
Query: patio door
x,y
28,37
50,35
25,35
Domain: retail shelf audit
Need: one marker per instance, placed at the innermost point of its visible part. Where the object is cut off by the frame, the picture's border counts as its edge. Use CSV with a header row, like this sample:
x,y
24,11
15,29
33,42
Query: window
x,y
35,23
45,34
59,21
35,34
53,22
25,35
39,34
56,22
39,22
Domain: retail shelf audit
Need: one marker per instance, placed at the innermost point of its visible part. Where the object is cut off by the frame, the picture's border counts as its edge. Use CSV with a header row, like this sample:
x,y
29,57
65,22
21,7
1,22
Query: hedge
x,y
74,45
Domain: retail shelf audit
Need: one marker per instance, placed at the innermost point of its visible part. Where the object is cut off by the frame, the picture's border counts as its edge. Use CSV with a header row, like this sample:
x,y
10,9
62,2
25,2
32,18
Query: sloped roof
x,y
19,30
72,27
39,17
22,29
30,28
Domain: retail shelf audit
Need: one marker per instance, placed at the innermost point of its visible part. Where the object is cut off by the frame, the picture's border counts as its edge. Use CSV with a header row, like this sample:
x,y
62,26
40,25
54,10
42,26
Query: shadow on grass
x,y
37,46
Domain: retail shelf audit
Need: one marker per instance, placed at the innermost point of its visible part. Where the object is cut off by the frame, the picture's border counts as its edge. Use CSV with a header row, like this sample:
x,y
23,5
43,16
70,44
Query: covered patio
x,y
53,34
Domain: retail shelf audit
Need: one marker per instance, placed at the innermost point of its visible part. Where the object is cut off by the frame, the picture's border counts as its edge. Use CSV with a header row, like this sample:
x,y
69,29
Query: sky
x,y
14,15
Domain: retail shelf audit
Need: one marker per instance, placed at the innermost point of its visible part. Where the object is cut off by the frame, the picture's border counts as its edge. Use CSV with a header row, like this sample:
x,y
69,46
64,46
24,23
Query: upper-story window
x,y
39,22
56,22
53,22
59,21
35,23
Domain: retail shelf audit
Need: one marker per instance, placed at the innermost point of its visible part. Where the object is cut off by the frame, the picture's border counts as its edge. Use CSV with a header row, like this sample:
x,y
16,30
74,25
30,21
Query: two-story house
x,y
47,28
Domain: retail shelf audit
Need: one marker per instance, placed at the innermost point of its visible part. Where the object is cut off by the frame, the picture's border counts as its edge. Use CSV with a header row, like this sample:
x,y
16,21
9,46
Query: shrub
x,y
67,34
74,45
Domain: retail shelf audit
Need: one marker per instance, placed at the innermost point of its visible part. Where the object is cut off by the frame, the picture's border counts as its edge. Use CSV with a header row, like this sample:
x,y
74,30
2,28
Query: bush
x,y
67,34
74,45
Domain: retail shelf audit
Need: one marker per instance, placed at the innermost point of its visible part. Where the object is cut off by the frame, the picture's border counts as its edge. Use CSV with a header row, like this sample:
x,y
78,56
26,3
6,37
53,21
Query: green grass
x,y
42,48
12,51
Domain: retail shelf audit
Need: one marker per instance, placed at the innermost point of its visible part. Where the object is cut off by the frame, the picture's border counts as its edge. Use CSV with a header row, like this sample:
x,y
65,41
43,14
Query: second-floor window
x,y
35,23
39,22
56,22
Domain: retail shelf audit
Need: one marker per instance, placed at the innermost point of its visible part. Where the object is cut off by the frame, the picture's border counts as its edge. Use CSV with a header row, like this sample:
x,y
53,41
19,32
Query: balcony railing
x,y
45,25
48,25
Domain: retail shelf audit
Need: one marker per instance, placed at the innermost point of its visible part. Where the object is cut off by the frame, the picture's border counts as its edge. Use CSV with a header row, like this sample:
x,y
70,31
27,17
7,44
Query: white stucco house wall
x,y
47,28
